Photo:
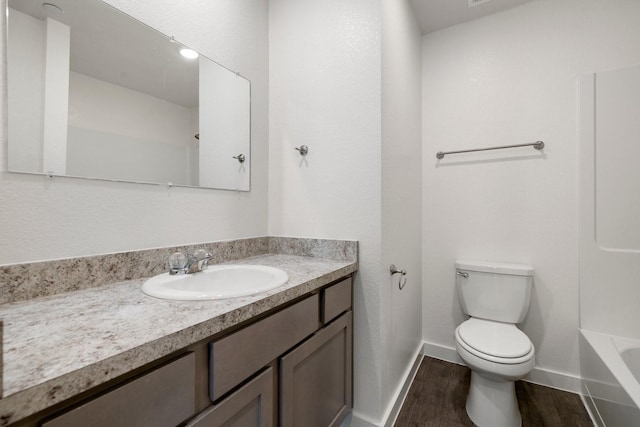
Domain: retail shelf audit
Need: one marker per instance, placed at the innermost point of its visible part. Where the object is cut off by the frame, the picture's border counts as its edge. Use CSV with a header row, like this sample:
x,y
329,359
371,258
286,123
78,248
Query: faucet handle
x,y
202,257
177,263
199,253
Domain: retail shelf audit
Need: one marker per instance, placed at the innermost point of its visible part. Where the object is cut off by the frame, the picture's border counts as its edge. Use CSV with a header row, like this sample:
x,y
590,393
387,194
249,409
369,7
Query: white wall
x,y
609,202
115,132
325,93
345,81
26,59
506,79
56,97
401,192
104,155
105,107
42,218
224,131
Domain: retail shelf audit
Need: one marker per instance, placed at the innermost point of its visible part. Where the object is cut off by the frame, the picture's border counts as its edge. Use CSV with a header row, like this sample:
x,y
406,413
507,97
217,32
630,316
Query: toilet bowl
x,y
496,296
495,363
498,350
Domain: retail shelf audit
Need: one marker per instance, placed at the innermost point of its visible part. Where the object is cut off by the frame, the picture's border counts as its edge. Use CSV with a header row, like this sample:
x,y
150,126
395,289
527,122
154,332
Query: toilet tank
x,y
493,290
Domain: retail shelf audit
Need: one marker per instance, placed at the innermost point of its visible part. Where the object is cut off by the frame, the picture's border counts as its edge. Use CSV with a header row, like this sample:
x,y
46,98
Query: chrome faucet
x,y
189,264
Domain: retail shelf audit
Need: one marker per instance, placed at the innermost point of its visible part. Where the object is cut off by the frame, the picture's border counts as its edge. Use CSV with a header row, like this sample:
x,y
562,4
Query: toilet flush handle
x,y
462,273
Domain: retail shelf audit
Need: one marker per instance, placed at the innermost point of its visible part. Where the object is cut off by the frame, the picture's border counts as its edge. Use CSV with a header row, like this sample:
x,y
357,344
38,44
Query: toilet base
x,y
492,403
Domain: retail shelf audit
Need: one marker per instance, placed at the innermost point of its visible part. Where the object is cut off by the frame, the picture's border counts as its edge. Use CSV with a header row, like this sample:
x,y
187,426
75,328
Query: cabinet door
x,y
249,406
315,388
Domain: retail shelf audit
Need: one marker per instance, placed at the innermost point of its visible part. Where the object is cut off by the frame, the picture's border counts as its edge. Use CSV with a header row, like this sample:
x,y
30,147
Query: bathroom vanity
x,y
112,356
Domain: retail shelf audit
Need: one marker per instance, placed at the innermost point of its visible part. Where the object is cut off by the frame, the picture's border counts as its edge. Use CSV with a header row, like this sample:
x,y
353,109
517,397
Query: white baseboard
x,y
592,409
401,393
356,419
540,376
441,352
554,379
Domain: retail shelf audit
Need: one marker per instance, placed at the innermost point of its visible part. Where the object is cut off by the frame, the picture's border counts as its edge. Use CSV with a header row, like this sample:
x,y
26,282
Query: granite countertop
x,y
60,345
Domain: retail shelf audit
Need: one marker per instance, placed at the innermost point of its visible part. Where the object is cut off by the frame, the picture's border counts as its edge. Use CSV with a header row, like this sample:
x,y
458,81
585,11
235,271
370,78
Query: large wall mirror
x,y
94,93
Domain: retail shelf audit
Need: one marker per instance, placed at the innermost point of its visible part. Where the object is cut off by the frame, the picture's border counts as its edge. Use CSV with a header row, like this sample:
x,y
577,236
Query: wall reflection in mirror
x,y
94,93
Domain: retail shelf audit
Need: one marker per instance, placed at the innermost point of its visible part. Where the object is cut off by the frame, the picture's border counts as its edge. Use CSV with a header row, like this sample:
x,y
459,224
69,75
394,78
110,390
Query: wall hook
x,y
303,149
403,280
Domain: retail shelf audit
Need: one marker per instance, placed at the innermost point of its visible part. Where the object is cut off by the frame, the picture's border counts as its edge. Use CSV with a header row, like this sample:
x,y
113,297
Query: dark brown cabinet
x,y
309,344
236,357
290,368
163,397
315,378
251,405
336,299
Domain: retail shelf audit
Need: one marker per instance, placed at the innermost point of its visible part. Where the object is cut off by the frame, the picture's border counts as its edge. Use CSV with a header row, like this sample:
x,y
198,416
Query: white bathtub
x,y
610,370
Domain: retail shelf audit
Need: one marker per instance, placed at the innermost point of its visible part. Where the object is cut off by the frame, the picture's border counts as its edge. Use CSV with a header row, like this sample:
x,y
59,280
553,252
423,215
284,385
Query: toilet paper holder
x,y
394,270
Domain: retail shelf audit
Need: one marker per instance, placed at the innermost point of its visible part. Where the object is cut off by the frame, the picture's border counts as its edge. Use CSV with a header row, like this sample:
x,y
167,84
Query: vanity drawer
x,y
236,357
336,299
163,397
250,405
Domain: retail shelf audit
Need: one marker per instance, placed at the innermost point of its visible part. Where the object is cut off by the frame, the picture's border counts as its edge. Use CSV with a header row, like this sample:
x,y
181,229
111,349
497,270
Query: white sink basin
x,y
216,282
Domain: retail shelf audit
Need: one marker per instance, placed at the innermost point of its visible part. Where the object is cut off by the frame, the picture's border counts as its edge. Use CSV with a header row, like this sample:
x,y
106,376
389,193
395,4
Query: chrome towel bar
x,y
538,145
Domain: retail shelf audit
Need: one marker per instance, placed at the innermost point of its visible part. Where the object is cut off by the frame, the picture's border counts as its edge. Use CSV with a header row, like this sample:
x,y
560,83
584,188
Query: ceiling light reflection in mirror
x,y
94,93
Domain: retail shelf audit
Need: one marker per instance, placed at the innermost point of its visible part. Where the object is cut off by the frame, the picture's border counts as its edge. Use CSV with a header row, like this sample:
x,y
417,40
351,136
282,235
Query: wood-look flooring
x,y
438,393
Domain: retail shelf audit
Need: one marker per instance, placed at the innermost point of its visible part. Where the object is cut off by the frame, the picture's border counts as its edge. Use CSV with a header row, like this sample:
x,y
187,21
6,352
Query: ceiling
x,y
434,15
150,65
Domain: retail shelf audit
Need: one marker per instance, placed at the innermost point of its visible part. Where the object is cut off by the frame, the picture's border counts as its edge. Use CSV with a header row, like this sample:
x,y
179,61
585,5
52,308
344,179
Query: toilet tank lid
x,y
495,267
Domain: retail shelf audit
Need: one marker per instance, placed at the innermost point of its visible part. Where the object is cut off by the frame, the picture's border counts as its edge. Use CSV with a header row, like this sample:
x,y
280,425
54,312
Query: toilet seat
x,y
494,341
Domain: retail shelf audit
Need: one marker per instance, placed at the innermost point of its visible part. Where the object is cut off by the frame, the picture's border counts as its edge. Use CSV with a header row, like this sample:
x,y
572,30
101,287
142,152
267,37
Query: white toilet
x,y
496,296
